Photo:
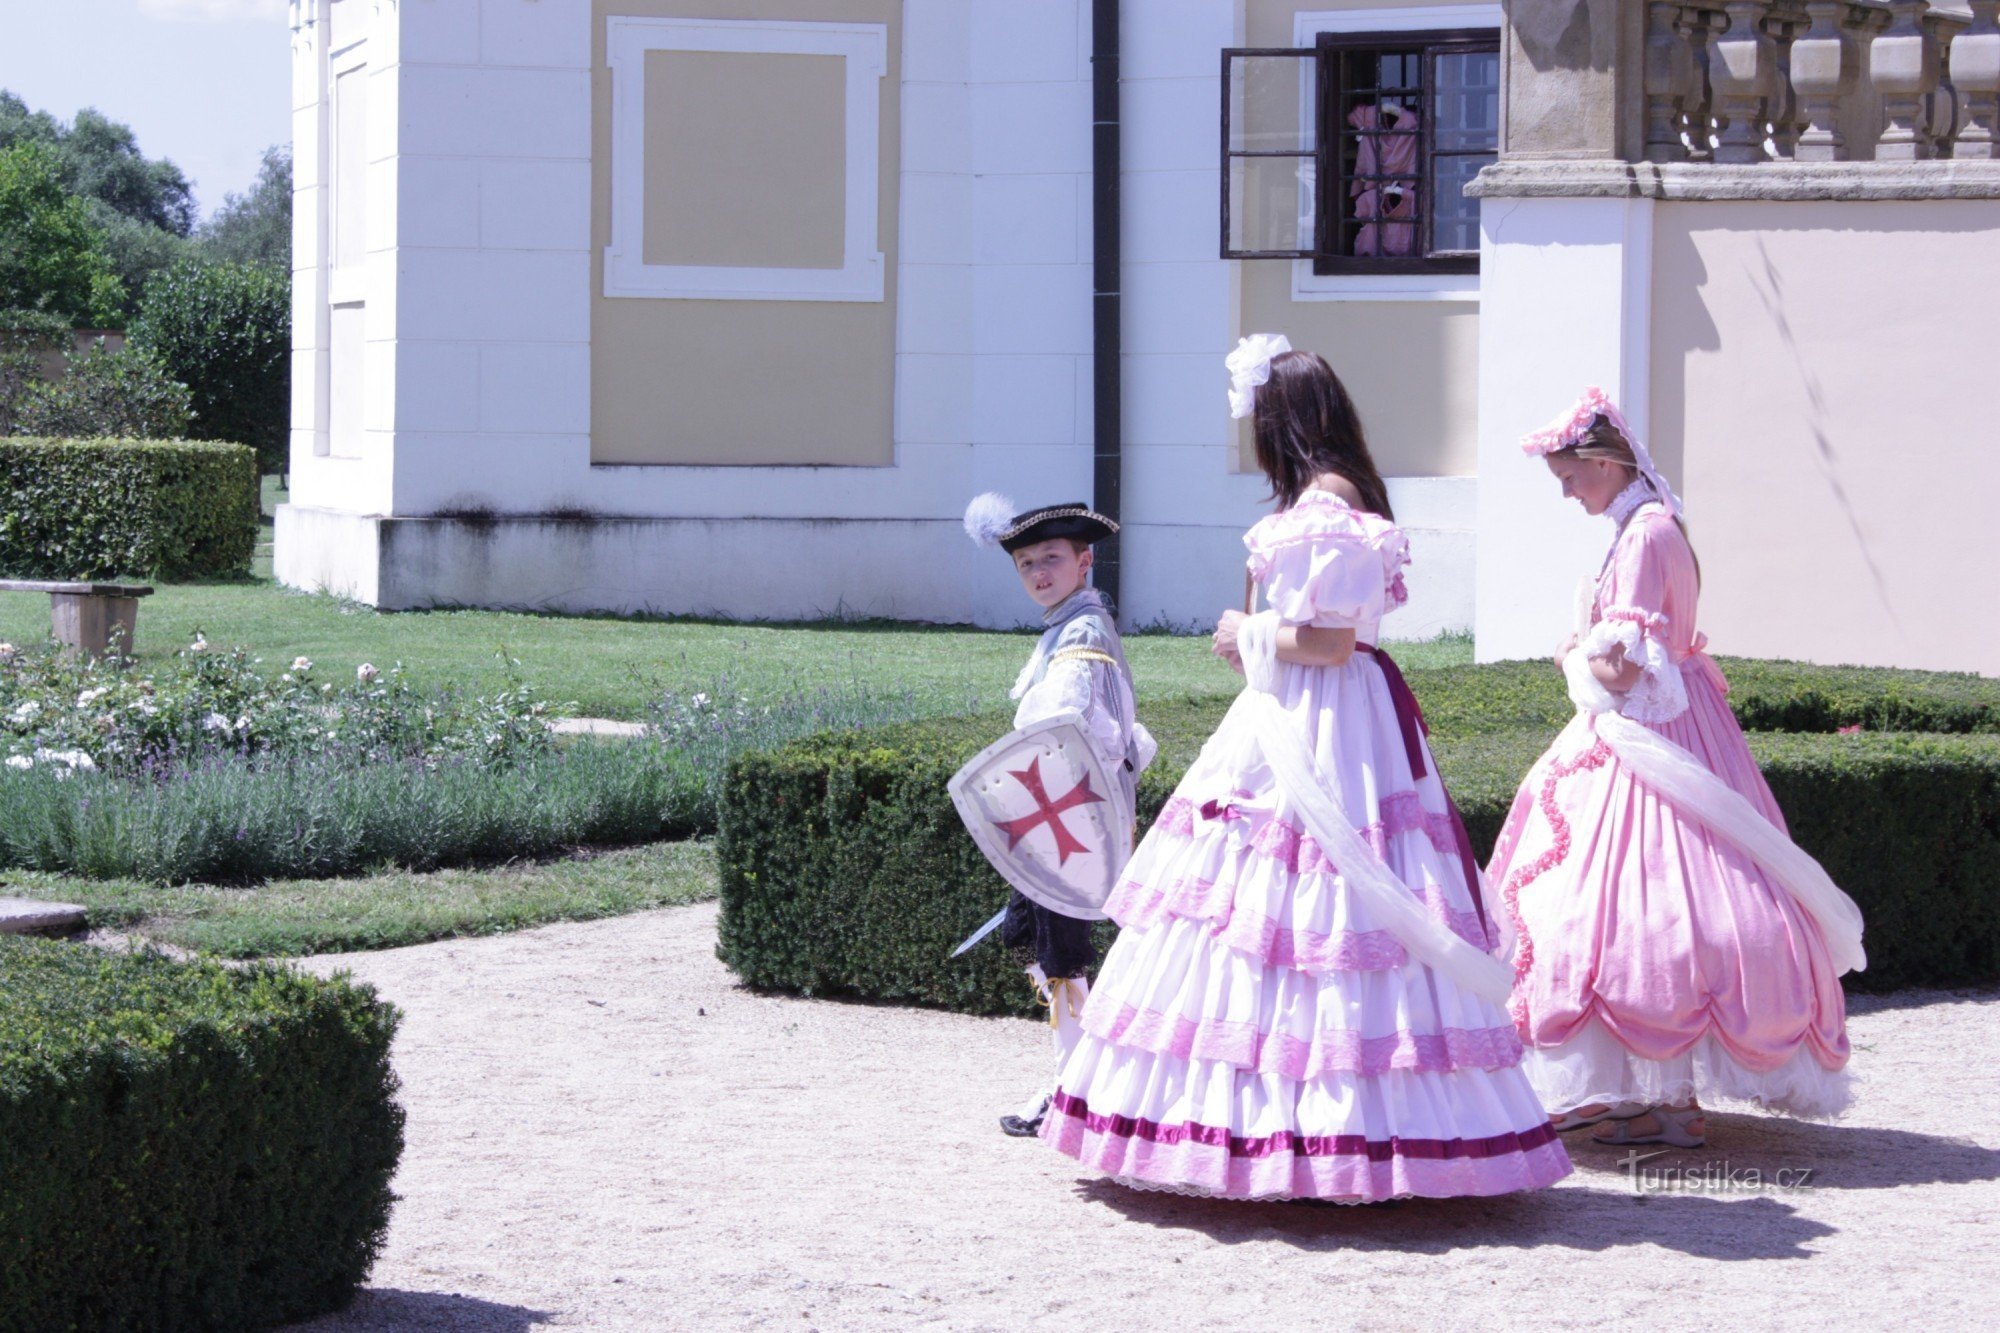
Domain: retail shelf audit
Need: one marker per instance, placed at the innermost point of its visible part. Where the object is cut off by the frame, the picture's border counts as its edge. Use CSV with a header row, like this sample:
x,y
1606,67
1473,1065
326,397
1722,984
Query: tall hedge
x,y
100,509
187,1146
225,331
845,868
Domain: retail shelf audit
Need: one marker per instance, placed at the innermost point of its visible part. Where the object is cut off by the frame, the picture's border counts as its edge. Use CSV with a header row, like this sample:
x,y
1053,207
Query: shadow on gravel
x,y
387,1310
1840,1157
1591,1219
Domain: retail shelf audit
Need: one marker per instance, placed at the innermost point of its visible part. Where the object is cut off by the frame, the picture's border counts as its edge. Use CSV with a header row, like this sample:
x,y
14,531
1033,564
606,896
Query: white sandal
x,y
1673,1129
1569,1120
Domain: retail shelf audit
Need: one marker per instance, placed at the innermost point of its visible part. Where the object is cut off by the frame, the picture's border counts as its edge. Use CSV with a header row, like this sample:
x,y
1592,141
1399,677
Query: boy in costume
x,y
1078,666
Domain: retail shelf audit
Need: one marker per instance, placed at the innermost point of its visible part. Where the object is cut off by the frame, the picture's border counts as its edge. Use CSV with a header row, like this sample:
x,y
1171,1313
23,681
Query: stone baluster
x,y
1742,70
1975,68
1697,26
1826,62
1670,81
1785,22
1906,68
1941,107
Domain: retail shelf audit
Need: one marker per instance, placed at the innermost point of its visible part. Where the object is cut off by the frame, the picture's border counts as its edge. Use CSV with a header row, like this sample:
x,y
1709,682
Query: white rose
x,y
243,722
215,722
366,673
27,711
302,664
200,645
19,761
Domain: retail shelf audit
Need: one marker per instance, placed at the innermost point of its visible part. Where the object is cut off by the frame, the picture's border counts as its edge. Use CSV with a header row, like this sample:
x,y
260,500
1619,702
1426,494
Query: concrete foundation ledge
x,y
737,568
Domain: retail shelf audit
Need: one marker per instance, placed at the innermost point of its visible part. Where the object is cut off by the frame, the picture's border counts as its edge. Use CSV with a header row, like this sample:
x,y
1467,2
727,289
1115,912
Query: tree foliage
x,y
255,227
99,158
51,257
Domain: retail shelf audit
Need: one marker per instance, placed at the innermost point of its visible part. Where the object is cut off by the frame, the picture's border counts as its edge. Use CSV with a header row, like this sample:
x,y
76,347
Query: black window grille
x,y
1355,153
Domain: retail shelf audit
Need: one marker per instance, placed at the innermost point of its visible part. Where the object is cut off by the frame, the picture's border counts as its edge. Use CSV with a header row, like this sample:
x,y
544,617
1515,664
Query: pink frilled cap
x,y
1569,429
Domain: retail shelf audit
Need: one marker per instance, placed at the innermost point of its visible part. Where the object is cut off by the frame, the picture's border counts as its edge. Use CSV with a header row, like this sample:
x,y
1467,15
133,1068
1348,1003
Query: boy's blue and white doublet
x,y
1079,666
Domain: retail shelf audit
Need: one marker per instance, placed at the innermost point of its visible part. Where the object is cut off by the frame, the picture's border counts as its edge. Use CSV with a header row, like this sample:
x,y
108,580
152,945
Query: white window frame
x,y
864,47
1306,28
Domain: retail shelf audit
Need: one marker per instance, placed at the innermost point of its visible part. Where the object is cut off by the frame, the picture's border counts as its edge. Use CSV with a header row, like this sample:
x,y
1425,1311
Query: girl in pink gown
x,y
1258,1030
1656,963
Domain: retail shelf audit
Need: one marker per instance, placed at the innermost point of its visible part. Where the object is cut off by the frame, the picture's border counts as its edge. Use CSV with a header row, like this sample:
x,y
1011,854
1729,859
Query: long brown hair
x,y
1604,440
1306,425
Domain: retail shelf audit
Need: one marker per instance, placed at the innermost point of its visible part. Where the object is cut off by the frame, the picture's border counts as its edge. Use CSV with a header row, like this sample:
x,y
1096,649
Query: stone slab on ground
x,y
596,726
606,1132
30,916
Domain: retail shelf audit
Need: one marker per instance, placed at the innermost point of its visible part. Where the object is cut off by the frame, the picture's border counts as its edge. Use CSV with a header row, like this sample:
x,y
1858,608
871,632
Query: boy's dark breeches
x,y
1061,944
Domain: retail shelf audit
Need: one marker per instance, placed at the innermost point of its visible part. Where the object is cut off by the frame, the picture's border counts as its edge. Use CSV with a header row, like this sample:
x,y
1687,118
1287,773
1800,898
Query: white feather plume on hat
x,y
988,517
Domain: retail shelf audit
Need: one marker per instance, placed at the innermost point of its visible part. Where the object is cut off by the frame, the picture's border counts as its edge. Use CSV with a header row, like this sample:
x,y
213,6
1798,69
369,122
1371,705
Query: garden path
x,y
606,1133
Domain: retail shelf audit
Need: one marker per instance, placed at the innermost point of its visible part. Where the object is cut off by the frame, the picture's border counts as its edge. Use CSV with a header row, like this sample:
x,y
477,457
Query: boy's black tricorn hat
x,y
990,520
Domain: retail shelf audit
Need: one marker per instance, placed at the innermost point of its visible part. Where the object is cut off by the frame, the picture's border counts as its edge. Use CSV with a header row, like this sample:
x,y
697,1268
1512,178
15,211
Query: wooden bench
x,y
89,617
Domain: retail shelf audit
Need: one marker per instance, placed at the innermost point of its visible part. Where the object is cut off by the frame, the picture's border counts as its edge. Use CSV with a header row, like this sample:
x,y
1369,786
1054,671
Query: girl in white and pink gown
x,y
1255,1032
1658,963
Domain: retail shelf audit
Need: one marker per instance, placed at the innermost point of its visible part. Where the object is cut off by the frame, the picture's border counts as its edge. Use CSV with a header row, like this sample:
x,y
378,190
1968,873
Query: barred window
x,y
1356,153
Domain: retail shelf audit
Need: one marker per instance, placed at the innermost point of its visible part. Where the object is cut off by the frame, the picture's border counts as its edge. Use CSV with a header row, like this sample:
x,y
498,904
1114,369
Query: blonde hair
x,y
1605,442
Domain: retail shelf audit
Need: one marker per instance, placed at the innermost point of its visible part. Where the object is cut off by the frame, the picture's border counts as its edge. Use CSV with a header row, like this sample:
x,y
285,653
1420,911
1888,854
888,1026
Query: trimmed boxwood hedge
x,y
187,1146
845,869
104,509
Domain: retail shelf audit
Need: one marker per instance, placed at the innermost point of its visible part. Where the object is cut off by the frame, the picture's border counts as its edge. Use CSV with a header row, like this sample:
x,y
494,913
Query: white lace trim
x,y
1659,695
1624,504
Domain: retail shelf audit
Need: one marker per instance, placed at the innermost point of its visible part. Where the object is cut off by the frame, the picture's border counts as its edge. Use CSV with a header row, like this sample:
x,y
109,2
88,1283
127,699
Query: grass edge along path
x,y
388,909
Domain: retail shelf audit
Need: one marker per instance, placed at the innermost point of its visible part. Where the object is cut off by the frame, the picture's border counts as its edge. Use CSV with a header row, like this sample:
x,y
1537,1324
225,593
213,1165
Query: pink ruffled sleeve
x,y
1324,564
1635,605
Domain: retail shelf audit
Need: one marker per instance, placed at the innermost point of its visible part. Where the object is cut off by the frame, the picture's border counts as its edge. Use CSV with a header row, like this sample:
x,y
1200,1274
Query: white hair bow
x,y
1250,366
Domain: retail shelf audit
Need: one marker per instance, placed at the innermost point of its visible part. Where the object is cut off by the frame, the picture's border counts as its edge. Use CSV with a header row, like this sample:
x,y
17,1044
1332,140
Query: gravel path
x,y
606,1133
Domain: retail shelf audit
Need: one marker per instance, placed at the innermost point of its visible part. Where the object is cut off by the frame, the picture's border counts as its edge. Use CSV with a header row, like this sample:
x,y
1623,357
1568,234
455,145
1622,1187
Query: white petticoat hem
x,y
1594,1068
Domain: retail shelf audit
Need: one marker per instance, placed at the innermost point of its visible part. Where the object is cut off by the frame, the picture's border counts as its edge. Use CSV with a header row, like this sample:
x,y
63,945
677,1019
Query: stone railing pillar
x,y
1742,72
1906,66
1785,22
1826,62
1975,69
1671,87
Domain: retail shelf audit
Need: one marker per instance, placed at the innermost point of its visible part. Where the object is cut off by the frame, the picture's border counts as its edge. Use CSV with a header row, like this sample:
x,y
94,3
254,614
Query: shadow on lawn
x,y
388,1310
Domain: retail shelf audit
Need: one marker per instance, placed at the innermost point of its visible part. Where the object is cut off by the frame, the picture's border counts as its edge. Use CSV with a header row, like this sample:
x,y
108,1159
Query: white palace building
x,y
728,306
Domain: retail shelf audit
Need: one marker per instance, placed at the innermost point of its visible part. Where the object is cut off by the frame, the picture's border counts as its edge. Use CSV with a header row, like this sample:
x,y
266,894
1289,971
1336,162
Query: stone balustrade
x,y
1737,82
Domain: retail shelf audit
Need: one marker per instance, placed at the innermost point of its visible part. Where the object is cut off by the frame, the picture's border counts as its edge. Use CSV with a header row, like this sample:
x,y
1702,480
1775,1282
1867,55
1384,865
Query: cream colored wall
x,y
1817,382
1412,366
745,382
772,188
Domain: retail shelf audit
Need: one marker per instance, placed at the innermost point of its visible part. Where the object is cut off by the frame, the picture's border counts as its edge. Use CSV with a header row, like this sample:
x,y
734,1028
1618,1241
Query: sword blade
x,y
981,933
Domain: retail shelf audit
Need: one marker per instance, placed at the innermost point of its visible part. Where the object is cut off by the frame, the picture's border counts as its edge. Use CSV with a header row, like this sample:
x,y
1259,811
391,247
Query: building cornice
x,y
1602,179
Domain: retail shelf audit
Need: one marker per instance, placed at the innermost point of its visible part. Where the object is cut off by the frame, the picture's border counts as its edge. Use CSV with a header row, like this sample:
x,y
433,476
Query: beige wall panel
x,y
1412,367
770,192
1816,379
745,383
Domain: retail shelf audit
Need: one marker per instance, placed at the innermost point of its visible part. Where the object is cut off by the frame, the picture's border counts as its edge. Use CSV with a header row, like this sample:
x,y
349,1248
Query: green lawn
x,y
612,667
388,909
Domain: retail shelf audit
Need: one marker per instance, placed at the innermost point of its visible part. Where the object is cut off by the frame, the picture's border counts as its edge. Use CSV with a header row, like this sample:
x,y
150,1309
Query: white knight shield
x,y
1053,822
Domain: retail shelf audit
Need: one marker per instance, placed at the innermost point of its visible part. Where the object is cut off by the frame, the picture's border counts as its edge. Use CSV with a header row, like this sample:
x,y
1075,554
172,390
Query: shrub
x,y
121,394
225,331
187,1145
94,509
844,867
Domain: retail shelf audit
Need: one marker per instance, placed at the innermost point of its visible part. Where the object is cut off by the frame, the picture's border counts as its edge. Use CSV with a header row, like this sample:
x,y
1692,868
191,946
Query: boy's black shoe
x,y
1022,1127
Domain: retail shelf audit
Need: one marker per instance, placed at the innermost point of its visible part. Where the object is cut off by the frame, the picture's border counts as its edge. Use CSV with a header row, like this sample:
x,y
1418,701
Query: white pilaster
x,y
1565,303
